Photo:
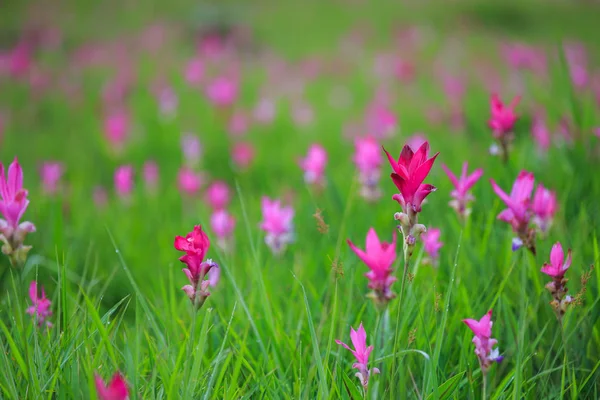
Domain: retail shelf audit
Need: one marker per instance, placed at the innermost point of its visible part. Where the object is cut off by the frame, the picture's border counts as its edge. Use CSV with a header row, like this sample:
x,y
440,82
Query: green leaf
x,y
446,389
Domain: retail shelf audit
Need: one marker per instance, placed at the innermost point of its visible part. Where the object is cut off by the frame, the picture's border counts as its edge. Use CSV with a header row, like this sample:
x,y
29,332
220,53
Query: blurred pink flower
x,y
194,71
222,91
416,141
218,195
361,352
544,207
116,389
100,196
367,158
51,172
461,195
167,101
238,124
558,265
314,165
558,286
380,121
484,344
20,59
540,132
222,223
503,118
242,154
40,308
192,149
116,128
577,60
264,111
188,181
379,258
277,224
124,181
150,174
432,243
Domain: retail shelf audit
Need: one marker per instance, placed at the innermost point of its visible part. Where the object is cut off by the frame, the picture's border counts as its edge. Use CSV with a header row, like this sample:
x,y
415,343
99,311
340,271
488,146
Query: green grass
x,y
268,330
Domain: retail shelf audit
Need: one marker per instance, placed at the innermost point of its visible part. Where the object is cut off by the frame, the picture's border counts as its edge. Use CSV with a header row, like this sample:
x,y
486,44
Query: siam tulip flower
x,y
242,154
277,223
124,181
192,149
264,111
194,72
544,207
195,245
51,172
222,92
361,352
238,124
314,165
13,205
217,195
410,170
519,213
116,389
565,130
380,121
484,344
20,59
116,128
150,175
367,158
188,181
404,71
222,223
416,141
432,245
167,101
461,195
540,133
502,122
379,258
577,60
40,308
558,287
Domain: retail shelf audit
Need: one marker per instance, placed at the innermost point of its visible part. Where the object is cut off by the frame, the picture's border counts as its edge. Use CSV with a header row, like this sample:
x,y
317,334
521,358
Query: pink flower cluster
x,y
314,165
558,286
277,224
461,195
361,352
115,390
40,308
484,344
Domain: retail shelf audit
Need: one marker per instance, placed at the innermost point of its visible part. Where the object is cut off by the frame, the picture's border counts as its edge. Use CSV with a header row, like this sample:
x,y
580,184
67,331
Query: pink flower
x,y
150,174
577,60
195,245
410,170
544,207
188,181
222,91
484,344
540,133
40,308
116,128
379,258
264,111
51,172
416,141
167,101
192,149
380,121
314,165
222,223
242,154
277,223
518,212
461,194
116,389
367,157
432,244
124,180
194,71
361,352
238,124
503,118
454,88
217,195
558,265
20,59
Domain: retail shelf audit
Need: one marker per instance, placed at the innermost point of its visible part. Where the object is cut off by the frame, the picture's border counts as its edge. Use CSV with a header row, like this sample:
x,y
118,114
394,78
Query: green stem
x,y
484,388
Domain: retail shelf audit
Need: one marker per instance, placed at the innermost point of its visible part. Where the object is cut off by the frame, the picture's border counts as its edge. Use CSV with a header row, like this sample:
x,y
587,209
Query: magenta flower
x,y
540,133
150,175
192,149
503,118
577,60
238,124
222,91
379,258
195,245
461,195
367,158
277,223
242,154
361,352
218,195
484,344
314,165
410,171
124,181
558,286
188,181
51,172
544,207
222,223
432,244
264,111
40,308
116,389
116,128
194,71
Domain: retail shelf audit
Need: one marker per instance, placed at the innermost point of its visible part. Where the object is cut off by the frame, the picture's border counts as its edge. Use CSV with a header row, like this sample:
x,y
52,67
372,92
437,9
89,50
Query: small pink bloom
x,y
194,72
188,181
518,212
432,243
222,91
264,111
379,258
577,60
367,158
277,224
380,121
314,165
20,59
167,101
150,174
410,170
544,207
242,154
191,148
361,352
116,128
217,195
461,194
540,132
124,180
454,88
558,265
40,308
238,124
484,344
503,118
14,200
222,224
116,389
51,172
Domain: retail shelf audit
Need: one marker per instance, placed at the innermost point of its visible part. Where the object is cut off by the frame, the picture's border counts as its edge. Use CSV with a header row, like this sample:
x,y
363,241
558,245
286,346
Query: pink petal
x,y
451,176
373,246
15,177
557,256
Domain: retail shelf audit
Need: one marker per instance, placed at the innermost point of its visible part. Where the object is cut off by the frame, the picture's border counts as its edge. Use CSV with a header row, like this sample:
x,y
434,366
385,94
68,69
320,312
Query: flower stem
x,y
484,387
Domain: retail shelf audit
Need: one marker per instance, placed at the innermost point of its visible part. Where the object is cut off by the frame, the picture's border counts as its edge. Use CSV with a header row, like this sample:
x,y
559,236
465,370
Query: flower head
x,y
314,165
277,223
517,212
367,157
40,308
116,389
461,195
484,344
361,352
14,197
432,243
150,174
503,117
124,180
222,224
217,195
242,154
558,286
558,265
379,258
191,148
51,172
544,207
189,182
222,91
116,128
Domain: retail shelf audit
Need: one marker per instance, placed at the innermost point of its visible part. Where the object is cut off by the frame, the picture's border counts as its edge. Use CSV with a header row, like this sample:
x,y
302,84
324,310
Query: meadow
x,y
218,200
